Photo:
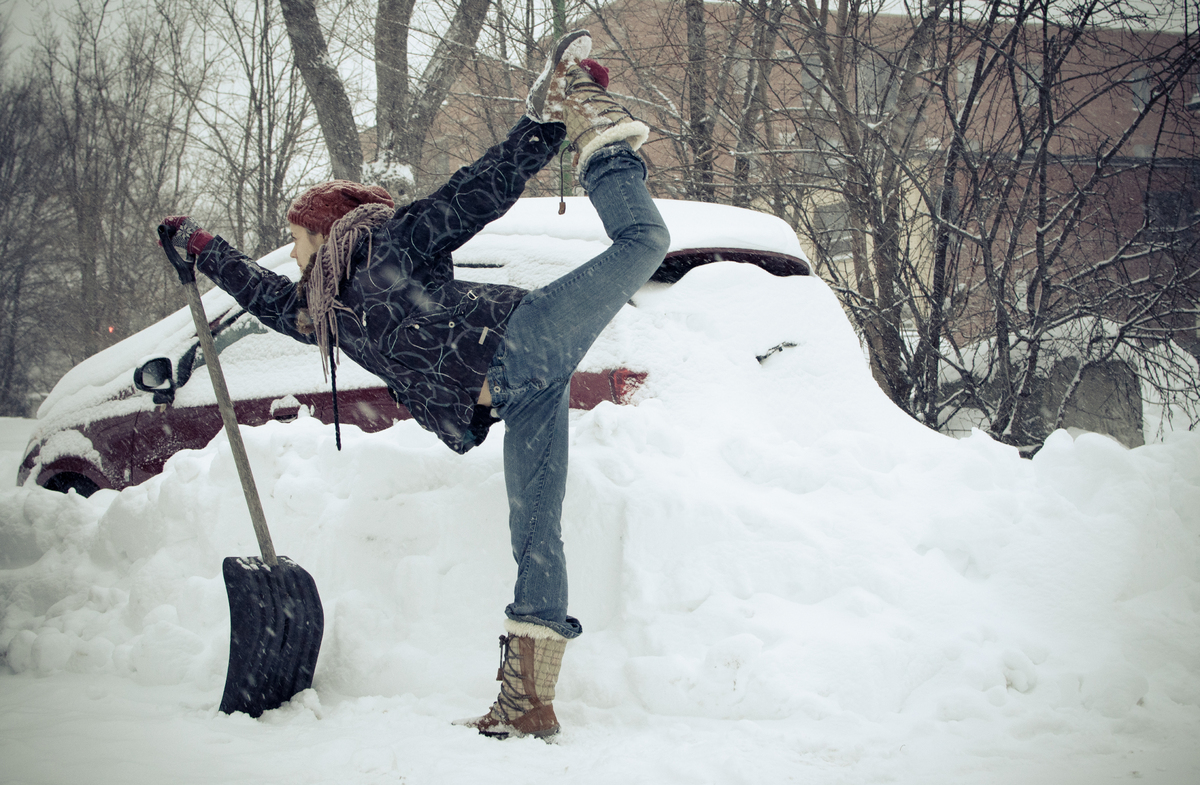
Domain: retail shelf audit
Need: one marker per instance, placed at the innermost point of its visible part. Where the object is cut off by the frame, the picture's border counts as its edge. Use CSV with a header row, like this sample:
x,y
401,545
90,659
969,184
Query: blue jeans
x,y
530,377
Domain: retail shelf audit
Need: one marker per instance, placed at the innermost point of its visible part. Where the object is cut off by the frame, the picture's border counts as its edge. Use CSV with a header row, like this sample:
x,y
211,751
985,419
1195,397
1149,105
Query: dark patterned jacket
x,y
430,337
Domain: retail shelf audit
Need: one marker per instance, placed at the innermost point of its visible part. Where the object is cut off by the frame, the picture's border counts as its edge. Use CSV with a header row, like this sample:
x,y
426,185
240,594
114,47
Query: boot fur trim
x,y
635,132
527,629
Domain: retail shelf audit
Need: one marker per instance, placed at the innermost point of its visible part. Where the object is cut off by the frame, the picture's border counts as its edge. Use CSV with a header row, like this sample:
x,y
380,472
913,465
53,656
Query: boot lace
x,y
511,703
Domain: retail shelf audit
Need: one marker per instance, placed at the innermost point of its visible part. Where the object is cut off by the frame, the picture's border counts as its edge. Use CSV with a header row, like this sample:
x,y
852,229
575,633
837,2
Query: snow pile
x,y
780,576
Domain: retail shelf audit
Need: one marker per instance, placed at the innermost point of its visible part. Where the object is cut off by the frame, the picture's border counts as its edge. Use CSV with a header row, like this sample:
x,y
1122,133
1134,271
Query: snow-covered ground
x,y
780,576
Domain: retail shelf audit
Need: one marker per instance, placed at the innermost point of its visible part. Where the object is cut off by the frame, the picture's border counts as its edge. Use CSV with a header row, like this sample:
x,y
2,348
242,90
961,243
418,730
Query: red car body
x,y
135,447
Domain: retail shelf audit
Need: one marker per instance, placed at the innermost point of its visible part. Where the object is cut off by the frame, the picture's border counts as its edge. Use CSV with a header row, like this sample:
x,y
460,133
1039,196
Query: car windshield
x,y
227,332
230,332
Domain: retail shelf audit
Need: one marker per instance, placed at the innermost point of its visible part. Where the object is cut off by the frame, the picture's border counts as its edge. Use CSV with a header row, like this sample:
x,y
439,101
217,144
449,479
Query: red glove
x,y
186,234
598,72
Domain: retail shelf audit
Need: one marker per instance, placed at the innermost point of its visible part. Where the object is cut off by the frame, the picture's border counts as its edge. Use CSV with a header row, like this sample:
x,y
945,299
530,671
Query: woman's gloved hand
x,y
186,234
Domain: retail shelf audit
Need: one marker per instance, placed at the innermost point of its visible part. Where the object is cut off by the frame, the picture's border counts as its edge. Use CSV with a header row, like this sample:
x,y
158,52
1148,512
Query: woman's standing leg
x,y
545,340
530,379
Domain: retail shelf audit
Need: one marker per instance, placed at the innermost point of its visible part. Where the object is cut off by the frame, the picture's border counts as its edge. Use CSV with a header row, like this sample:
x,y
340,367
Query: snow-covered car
x,y
115,419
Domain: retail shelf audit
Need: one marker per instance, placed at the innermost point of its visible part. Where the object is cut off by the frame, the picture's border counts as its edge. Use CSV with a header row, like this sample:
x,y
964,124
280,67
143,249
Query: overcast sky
x,y
26,16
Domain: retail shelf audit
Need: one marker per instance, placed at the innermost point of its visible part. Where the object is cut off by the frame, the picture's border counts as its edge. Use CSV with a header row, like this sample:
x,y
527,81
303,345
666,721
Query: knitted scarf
x,y
324,275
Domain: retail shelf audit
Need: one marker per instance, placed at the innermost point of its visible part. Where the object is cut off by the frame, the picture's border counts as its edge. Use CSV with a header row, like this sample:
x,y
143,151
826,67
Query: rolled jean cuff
x,y
605,154
569,629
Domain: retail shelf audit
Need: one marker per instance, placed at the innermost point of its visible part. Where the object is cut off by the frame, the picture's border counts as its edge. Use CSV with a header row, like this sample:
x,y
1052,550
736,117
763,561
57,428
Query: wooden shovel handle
x,y
224,403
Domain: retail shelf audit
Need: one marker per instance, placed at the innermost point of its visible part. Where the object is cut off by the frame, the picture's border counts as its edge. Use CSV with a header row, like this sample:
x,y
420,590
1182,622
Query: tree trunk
x,y
325,88
404,124
391,77
699,117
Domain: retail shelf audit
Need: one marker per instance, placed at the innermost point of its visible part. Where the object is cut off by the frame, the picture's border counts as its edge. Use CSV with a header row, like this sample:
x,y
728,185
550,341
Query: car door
x,y
192,419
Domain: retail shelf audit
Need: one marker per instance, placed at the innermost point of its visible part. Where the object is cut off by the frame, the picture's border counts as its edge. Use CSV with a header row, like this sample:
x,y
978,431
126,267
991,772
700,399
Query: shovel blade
x,y
275,624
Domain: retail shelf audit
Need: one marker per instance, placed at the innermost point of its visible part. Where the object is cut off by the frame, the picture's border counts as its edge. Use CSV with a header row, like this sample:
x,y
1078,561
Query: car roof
x,y
692,224
533,244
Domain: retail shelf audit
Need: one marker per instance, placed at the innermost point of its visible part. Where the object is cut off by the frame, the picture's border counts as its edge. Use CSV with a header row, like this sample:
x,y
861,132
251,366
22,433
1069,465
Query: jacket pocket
x,y
456,342
423,343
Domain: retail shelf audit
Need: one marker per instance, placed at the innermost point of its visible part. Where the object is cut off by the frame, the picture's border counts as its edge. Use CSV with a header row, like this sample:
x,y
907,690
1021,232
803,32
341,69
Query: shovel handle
x,y
224,403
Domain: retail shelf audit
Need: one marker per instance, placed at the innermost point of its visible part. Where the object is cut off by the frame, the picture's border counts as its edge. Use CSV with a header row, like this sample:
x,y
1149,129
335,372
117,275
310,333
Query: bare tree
x,y
407,103
698,74
115,176
862,87
965,181
486,98
334,111
27,229
489,94
116,121
248,122
1071,137
700,114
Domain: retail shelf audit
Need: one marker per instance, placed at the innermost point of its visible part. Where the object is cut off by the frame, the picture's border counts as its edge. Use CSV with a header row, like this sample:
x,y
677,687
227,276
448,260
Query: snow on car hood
x,y
103,375
530,246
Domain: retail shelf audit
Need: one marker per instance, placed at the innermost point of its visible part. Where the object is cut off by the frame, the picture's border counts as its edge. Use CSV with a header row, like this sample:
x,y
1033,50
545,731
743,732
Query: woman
x,y
378,285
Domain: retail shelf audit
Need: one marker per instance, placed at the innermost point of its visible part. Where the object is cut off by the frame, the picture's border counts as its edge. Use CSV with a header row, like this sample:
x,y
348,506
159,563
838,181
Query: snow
x,y
781,578
390,172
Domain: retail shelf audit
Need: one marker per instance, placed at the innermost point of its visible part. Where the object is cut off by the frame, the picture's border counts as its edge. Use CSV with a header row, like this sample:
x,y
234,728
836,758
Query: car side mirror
x,y
156,376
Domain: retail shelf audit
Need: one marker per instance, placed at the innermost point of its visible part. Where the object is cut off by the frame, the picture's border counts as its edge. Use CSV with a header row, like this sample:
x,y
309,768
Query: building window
x,y
964,75
819,157
812,81
1164,210
1031,84
832,225
1139,82
878,85
1168,216
1193,102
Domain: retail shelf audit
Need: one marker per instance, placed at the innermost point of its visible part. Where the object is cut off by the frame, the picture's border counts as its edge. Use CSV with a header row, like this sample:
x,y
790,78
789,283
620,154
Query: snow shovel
x,y
275,615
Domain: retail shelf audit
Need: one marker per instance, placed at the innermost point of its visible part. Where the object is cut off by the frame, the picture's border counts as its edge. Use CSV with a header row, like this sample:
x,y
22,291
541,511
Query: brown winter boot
x,y
594,119
531,656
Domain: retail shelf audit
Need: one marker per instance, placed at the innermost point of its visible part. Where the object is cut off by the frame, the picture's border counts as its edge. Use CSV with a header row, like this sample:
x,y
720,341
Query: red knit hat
x,y
320,206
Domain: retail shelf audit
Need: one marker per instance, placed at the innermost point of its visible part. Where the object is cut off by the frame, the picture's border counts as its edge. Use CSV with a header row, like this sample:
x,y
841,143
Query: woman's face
x,y
306,245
